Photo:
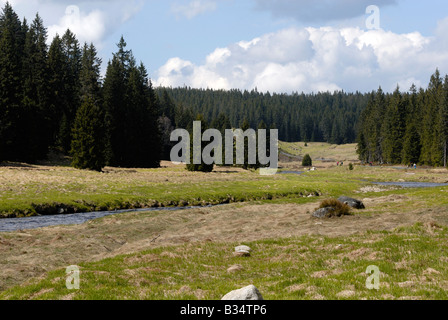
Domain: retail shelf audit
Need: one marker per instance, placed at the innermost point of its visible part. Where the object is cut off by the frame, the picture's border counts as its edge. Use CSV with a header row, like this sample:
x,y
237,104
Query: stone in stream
x,y
247,293
356,204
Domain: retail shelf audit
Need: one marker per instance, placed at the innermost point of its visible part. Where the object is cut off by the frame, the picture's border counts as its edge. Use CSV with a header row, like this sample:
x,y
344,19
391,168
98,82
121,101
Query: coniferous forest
x,y
52,97
406,128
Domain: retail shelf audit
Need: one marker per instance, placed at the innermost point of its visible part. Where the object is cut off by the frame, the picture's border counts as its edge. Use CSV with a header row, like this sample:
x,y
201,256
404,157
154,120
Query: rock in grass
x,y
242,251
247,293
324,212
242,254
356,204
235,268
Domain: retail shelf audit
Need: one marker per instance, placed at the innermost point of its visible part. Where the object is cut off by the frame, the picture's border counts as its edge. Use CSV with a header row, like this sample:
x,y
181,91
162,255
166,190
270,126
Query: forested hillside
x,y
322,117
406,128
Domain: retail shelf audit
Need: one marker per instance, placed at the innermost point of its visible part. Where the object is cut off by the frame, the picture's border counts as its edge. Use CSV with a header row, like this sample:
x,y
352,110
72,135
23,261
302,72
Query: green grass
x,y
27,190
26,193
47,190
412,262
318,150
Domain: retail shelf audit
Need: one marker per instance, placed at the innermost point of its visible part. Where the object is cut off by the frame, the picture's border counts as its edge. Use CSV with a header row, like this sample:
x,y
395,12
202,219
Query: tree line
x,y
406,128
53,97
322,117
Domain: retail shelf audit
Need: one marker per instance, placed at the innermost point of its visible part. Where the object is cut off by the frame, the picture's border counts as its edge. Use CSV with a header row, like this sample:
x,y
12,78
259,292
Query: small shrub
x,y
340,208
307,161
350,167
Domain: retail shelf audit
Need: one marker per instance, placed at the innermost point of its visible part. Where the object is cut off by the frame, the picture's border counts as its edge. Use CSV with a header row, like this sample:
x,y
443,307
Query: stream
x,y
412,184
15,224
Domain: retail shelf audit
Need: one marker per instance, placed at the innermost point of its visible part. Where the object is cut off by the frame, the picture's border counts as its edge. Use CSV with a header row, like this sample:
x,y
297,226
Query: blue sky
x,y
275,45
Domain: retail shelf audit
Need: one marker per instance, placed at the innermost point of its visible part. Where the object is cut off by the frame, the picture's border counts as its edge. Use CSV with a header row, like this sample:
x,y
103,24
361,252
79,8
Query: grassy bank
x,y
185,255
31,190
412,262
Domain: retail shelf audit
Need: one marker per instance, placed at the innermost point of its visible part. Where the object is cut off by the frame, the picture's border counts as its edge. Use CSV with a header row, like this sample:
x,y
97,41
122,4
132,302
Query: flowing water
x,y
412,184
14,224
290,172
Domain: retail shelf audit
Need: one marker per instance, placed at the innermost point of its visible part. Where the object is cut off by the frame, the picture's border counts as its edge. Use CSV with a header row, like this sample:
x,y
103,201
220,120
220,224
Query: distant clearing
x,y
320,150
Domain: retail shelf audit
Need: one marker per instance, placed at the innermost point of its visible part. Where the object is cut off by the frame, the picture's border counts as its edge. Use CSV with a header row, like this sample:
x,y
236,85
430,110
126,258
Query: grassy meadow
x,y
187,254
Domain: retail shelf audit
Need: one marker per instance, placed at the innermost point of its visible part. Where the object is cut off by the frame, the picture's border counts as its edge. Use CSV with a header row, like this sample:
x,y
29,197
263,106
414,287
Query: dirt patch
x,y
23,256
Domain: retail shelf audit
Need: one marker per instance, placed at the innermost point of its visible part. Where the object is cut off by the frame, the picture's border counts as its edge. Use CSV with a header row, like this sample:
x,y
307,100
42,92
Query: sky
x,y
280,46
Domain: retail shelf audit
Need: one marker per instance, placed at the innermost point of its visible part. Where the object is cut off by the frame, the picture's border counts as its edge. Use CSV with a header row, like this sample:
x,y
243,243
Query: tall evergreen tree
x,y
443,122
412,146
89,78
56,83
12,41
114,89
431,151
394,128
36,97
72,68
88,137
202,167
131,113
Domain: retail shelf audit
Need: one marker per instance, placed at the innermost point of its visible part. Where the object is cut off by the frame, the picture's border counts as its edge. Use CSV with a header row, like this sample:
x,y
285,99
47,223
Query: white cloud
x,y
315,59
91,21
89,27
193,8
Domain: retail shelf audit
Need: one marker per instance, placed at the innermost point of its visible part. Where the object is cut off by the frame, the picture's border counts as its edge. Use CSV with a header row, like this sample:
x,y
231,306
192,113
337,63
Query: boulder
x,y
243,249
356,204
247,293
323,213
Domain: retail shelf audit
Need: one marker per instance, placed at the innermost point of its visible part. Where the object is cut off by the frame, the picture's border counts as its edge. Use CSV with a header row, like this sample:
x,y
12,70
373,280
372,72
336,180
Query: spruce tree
x,y
133,137
431,151
114,90
56,83
87,145
394,128
73,55
88,137
443,122
307,161
12,40
202,167
245,125
411,146
89,78
38,113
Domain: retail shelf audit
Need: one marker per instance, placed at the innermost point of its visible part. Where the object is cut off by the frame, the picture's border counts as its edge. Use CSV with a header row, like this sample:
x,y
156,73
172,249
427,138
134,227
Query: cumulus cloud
x,y
193,8
314,59
318,11
89,27
91,21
